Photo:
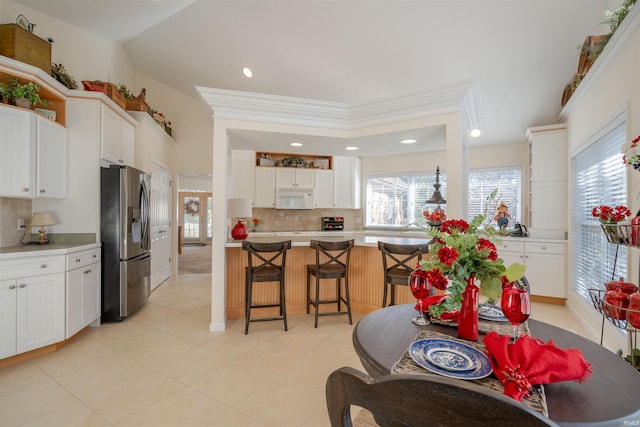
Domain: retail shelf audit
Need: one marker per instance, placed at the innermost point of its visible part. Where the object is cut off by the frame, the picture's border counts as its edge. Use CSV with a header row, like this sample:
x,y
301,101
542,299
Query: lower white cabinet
x,y
82,290
545,261
32,304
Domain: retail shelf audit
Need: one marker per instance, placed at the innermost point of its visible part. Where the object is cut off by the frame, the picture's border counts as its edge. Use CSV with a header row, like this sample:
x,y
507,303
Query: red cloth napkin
x,y
529,362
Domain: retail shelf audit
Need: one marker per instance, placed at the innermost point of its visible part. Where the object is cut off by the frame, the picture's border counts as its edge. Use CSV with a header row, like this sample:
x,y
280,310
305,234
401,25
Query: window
x,y
396,200
599,178
482,182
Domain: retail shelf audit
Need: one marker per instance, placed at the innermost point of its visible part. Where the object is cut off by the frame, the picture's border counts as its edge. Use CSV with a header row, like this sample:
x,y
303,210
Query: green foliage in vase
x,y
59,73
15,90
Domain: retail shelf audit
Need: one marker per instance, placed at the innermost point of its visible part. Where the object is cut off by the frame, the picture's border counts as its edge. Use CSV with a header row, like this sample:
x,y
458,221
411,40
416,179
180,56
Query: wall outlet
x,y
358,220
20,223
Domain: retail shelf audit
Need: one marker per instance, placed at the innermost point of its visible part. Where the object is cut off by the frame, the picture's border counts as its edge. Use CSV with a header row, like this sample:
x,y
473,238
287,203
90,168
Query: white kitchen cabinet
x,y
32,298
242,170
323,191
346,182
548,181
51,159
264,190
117,138
545,261
33,155
82,290
294,177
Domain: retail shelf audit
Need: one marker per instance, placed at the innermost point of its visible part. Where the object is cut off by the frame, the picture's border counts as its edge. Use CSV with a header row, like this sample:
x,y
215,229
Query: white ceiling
x,y
522,52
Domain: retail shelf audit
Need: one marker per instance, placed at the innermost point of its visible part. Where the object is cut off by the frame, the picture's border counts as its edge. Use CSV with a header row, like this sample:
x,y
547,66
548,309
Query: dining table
x,y
609,397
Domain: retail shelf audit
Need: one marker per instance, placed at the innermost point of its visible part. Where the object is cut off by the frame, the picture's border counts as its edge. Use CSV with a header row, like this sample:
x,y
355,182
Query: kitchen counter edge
x,y
12,252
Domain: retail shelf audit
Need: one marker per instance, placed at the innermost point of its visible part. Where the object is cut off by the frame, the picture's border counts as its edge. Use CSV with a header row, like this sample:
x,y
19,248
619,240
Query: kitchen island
x,y
366,277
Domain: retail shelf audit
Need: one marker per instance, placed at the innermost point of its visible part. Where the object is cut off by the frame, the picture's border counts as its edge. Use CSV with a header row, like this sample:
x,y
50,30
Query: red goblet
x,y
515,306
421,289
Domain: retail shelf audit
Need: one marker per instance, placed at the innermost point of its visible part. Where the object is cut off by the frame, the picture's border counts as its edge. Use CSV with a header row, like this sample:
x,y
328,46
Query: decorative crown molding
x,y
460,97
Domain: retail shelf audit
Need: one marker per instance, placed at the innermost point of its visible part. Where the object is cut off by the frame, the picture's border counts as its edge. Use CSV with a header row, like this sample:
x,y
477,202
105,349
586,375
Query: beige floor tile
x,y
236,418
18,377
119,401
232,381
76,414
96,376
184,407
30,403
76,355
194,365
283,402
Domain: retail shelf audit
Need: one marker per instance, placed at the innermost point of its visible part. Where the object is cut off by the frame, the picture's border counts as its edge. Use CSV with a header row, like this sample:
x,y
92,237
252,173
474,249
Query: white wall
x,y
613,90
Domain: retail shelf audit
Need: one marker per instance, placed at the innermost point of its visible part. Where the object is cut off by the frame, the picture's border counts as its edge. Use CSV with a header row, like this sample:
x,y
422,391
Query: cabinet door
x,y
285,177
305,178
546,268
264,190
52,159
40,311
242,165
323,189
127,145
91,293
74,301
110,136
8,292
17,153
346,182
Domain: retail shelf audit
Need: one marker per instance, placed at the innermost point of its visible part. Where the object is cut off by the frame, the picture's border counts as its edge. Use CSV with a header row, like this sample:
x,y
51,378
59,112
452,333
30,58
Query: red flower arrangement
x,y
458,252
609,215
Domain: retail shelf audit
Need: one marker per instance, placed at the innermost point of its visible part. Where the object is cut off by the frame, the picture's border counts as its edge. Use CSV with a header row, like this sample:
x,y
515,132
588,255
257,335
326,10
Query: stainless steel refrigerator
x,y
124,232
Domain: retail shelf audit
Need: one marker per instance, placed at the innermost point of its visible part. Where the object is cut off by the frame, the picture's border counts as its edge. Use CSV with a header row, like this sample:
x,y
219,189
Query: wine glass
x,y
515,306
421,288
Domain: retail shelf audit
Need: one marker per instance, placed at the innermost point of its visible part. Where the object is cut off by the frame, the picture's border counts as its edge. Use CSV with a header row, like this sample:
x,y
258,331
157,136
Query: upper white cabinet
x,y
323,193
33,155
264,188
346,182
117,137
242,170
153,143
294,177
548,204
51,159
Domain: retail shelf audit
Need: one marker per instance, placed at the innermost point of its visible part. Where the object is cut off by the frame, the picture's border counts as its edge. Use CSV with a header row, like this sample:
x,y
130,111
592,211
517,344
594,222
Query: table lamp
x,y
42,219
239,208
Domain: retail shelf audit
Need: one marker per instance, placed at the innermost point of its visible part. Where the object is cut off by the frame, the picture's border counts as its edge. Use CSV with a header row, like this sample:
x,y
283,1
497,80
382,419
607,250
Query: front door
x,y
195,217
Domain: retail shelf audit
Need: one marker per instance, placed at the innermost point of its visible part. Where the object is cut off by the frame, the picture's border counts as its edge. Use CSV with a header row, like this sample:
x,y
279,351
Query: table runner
x,y
406,365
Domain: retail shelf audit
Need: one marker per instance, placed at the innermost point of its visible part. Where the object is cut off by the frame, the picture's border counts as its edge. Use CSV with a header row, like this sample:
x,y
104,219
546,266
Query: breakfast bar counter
x,y
365,271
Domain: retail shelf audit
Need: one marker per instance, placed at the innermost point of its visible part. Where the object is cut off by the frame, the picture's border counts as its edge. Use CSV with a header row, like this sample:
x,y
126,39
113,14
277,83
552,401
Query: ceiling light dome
x,y
475,133
247,72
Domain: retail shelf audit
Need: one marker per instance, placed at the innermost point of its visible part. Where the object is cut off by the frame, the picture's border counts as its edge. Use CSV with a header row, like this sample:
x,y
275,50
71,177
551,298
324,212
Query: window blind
x,y
482,182
598,178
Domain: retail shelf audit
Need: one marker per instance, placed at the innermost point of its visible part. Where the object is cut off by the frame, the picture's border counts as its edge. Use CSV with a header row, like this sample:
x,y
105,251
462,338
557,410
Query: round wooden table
x,y
610,397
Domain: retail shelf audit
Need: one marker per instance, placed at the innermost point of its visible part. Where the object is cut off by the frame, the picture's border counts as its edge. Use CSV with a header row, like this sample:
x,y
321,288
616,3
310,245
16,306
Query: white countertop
x,y
40,250
361,238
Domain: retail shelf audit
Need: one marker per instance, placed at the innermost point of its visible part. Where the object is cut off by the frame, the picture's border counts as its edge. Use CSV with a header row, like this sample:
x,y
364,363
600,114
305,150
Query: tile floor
x,y
162,367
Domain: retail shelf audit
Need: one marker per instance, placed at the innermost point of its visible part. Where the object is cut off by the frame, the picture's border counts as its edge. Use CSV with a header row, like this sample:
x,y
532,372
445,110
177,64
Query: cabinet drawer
x,y
545,248
80,259
508,246
31,266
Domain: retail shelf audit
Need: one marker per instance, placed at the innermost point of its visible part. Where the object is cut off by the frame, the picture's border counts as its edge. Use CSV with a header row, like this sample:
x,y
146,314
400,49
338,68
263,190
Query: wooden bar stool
x,y
398,262
332,262
265,263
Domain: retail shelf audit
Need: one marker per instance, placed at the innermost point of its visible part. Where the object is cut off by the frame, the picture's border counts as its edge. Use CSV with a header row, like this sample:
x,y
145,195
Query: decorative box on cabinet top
x,y
21,45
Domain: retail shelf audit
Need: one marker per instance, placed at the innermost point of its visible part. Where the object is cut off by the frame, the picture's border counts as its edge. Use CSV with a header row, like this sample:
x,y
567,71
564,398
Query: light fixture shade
x,y
41,219
239,208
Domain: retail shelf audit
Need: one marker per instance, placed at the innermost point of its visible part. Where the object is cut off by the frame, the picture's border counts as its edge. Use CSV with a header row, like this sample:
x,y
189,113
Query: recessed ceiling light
x,y
408,141
475,133
247,72
296,144
351,148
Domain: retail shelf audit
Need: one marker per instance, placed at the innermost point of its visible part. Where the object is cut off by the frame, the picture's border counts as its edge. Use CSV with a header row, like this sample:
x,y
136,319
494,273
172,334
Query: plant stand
x,y
619,235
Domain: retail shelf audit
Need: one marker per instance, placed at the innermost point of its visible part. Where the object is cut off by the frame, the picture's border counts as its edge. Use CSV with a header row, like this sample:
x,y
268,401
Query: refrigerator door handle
x,y
144,210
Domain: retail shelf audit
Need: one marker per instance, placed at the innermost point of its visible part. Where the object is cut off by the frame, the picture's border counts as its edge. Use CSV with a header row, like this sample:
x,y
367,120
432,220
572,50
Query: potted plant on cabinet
x,y
22,95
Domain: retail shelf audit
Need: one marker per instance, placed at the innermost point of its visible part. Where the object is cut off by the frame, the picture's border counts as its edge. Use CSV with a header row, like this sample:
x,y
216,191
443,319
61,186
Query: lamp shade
x,y
41,219
239,208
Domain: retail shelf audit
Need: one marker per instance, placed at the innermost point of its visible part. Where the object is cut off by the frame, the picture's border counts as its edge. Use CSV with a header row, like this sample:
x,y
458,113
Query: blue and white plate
x,y
491,312
450,359
422,351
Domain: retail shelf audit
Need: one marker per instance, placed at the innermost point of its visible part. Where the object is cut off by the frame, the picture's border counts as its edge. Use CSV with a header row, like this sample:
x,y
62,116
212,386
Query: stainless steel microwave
x,y
294,198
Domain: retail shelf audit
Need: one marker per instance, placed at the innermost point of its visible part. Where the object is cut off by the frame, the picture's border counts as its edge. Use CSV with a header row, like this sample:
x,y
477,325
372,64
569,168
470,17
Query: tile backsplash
x,y
303,220
10,211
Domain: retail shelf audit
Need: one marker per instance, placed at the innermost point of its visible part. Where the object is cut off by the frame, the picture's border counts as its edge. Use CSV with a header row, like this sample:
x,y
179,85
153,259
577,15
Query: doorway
x,y
195,217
